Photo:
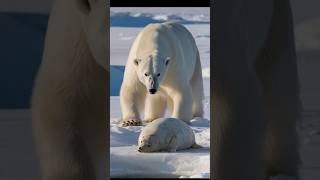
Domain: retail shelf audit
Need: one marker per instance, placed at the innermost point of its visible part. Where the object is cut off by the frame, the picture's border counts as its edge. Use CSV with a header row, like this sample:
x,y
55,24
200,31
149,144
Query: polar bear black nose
x,y
140,149
152,91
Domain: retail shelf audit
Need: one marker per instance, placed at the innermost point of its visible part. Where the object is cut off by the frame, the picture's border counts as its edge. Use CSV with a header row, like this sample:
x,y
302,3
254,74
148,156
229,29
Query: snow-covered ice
x,y
125,161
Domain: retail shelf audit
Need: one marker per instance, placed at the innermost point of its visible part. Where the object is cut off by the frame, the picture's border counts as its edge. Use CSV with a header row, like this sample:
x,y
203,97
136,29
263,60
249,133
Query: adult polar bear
x,y
69,100
163,69
255,91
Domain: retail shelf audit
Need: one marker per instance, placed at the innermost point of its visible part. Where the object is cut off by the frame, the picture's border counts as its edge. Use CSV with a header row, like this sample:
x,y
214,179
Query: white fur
x,y
163,57
166,134
69,97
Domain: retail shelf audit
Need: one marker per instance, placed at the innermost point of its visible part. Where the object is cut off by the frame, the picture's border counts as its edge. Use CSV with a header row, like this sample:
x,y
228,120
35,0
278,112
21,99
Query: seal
x,y
166,134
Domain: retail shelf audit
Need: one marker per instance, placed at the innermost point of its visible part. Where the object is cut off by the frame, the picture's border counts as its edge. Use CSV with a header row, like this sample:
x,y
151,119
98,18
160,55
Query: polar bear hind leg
x,y
181,96
281,92
169,105
197,89
282,105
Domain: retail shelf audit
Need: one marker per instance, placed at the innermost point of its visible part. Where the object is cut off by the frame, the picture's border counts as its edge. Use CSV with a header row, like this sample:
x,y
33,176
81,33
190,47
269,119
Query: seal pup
x,y
166,134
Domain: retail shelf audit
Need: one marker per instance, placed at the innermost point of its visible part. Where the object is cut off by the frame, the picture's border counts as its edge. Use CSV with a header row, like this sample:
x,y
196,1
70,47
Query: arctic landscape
x,y
125,160
22,45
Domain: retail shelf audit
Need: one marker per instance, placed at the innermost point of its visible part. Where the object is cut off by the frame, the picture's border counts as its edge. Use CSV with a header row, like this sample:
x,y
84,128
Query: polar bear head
x,y
93,15
151,71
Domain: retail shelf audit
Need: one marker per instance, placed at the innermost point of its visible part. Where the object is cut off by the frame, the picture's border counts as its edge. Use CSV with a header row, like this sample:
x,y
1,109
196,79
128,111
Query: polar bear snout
x,y
152,91
153,85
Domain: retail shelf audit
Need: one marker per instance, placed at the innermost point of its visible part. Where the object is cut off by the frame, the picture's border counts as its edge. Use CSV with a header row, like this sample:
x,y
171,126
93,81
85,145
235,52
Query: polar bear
x,y
69,99
163,70
255,98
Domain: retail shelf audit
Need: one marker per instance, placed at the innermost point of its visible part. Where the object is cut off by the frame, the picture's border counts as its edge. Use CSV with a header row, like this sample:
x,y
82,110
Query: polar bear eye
x,y
158,74
136,61
145,74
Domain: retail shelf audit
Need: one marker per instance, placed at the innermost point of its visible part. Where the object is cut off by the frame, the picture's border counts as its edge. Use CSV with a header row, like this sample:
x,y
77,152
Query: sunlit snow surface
x,y
125,161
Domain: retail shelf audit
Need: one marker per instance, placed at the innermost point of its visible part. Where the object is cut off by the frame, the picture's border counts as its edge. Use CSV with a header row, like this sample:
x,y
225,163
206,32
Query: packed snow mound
x,y
131,19
127,162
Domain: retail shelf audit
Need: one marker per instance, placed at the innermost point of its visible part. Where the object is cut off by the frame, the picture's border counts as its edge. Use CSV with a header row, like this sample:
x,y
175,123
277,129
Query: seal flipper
x,y
196,146
172,147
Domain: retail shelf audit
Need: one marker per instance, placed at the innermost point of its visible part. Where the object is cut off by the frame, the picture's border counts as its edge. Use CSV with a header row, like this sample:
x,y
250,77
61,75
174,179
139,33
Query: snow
x,y
130,19
125,160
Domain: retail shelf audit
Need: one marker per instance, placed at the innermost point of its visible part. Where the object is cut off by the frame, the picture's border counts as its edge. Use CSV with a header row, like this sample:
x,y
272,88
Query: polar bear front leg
x,y
182,103
131,102
155,107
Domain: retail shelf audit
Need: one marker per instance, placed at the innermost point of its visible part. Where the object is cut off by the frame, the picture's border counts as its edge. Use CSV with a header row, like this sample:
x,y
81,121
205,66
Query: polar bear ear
x,y
137,61
167,60
84,5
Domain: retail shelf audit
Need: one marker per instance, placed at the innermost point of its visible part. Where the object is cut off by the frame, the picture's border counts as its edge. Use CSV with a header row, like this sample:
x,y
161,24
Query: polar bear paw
x,y
131,122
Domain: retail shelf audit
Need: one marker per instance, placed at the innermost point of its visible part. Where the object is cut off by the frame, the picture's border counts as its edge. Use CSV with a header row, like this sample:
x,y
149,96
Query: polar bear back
x,y
187,46
172,40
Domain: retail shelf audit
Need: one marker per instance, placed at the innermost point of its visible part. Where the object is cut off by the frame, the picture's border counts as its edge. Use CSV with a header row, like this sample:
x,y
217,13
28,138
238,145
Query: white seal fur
x,y
166,134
